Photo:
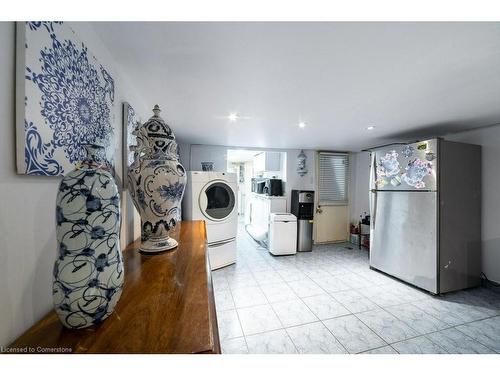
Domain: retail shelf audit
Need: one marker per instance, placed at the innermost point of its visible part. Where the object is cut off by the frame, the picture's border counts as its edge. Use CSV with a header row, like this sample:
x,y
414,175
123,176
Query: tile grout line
x,y
335,337
354,314
420,335
458,325
301,299
436,331
327,293
236,310
473,338
282,325
379,347
372,330
387,343
356,270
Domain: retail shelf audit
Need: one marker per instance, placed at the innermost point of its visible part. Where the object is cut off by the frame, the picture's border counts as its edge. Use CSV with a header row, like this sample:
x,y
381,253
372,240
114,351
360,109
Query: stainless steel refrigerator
x,y
425,203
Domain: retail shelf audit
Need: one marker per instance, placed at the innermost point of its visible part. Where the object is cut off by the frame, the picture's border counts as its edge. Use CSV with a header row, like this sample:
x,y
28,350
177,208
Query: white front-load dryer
x,y
212,197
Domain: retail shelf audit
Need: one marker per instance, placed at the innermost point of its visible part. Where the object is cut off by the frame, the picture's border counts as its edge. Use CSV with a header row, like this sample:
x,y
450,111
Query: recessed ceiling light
x,y
233,117
370,127
302,125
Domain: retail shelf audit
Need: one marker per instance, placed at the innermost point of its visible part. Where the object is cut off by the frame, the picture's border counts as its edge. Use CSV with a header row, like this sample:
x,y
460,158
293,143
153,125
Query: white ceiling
x,y
407,79
240,156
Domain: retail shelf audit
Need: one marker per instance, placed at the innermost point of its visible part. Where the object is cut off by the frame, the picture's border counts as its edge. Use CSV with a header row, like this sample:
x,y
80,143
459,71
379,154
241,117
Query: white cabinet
x,y
259,162
259,211
282,234
267,162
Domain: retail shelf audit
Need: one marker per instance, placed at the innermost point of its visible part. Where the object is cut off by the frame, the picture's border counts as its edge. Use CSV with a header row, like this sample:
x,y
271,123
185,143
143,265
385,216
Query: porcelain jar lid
x,y
159,137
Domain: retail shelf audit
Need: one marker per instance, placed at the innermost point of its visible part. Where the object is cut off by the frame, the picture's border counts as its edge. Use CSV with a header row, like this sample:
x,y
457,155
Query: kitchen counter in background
x,y
259,208
264,196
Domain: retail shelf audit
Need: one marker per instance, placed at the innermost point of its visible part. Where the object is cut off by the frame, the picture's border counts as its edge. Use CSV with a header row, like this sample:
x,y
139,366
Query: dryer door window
x,y
220,201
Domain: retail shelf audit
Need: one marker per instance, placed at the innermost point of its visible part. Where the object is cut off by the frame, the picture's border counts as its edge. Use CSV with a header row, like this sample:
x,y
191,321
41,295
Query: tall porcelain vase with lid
x,y
156,182
88,272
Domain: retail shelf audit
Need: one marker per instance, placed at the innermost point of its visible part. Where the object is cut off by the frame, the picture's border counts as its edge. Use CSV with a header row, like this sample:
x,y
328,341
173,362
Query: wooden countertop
x,y
167,306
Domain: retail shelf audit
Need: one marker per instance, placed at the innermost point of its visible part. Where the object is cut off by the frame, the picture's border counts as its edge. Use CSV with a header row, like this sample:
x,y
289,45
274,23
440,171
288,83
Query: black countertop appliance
x,y
258,184
273,186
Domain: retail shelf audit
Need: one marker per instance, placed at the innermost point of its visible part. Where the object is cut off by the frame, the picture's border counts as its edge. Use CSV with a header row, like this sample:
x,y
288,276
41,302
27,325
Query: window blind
x,y
333,178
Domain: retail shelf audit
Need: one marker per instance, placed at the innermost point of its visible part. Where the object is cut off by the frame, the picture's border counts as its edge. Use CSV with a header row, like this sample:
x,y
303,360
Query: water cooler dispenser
x,y
303,209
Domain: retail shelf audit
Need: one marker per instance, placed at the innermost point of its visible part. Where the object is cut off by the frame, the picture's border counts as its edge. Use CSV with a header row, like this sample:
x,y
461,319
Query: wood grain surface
x,y
167,306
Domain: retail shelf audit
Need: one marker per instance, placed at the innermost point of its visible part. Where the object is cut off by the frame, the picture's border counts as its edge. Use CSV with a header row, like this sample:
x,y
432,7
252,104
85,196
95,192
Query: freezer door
x,y
404,242
406,167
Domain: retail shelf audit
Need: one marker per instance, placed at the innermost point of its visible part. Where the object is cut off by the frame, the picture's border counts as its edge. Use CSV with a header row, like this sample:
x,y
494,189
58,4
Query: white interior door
x,y
331,219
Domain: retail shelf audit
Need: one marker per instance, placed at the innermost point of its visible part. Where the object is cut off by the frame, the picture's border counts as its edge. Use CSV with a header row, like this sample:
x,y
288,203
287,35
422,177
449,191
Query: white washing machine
x,y
212,196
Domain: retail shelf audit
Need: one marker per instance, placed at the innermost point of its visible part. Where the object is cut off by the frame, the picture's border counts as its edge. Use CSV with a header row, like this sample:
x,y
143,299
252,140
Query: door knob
x,y
319,210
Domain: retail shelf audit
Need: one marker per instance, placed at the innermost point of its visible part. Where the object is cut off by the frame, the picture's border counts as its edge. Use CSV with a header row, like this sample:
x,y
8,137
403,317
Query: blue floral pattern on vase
x,y
88,272
171,192
69,98
156,182
416,171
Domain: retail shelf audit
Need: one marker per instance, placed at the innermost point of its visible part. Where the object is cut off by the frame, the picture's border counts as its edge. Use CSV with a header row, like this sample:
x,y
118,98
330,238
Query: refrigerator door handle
x,y
373,207
373,190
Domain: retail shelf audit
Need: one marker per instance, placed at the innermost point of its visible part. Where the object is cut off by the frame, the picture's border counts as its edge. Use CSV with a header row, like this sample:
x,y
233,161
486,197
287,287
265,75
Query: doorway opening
x,y
241,163
252,163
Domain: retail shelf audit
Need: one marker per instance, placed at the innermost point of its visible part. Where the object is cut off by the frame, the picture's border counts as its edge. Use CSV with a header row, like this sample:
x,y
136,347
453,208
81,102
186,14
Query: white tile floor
x,y
329,301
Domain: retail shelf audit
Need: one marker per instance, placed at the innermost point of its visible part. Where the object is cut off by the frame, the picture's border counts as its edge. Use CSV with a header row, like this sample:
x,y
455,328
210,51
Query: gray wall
x,y
359,187
27,224
192,155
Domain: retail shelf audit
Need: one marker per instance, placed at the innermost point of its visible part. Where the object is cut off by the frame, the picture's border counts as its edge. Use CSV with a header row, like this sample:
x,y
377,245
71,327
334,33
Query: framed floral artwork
x,y
64,100
130,122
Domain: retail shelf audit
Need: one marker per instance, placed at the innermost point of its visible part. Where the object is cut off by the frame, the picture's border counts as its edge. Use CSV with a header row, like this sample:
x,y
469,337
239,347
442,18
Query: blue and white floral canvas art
x,y
65,99
130,121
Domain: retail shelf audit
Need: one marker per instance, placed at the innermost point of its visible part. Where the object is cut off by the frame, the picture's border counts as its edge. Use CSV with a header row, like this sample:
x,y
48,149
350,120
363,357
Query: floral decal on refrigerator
x,y
408,151
416,171
388,170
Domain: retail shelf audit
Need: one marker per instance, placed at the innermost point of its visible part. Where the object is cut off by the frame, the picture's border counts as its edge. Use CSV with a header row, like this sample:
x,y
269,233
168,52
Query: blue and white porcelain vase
x,y
301,164
88,273
156,182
